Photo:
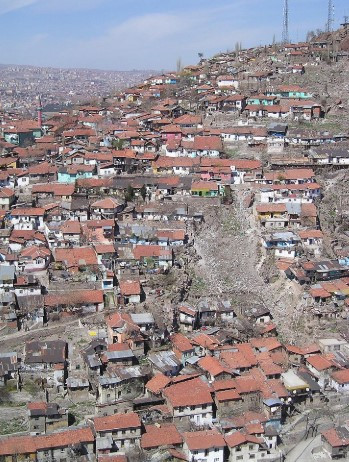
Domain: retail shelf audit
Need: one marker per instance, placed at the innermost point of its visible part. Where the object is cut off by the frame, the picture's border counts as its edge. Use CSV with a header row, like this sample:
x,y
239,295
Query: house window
x,y
252,456
250,446
239,457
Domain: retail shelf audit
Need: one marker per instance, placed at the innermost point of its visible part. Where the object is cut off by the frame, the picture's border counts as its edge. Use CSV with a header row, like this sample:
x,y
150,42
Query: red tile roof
x,y
37,405
319,362
34,252
65,438
77,256
293,349
319,292
130,287
238,438
189,393
56,188
71,227
157,383
226,384
6,192
104,248
205,439
212,365
334,439
267,344
204,186
116,422
227,395
171,162
151,251
108,203
160,435
14,445
208,143
79,297
28,212
181,343
341,376
254,428
187,310
267,208
311,234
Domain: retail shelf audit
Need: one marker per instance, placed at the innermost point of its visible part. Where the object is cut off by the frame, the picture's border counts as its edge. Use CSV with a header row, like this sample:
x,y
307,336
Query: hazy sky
x,y
145,34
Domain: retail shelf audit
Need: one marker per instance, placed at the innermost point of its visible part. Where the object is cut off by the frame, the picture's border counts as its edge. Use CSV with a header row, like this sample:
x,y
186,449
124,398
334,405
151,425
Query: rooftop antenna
x,y
330,16
285,36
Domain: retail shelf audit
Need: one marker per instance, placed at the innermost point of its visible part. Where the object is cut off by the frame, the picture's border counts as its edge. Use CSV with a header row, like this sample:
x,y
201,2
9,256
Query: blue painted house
x,y
284,244
71,173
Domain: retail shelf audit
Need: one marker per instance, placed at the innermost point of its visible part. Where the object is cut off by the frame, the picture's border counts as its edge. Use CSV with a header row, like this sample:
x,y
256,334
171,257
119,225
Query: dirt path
x,y
62,328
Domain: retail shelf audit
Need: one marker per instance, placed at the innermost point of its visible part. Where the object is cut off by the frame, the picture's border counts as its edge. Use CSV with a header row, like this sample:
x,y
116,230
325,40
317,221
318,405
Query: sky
x,y
146,34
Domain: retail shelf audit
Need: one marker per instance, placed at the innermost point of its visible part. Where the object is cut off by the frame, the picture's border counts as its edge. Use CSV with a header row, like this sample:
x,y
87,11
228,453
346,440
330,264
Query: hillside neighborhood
x,y
174,265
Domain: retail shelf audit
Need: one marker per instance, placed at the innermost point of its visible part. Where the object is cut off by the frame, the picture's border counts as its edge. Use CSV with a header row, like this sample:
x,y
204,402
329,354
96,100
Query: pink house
x,y
216,173
171,132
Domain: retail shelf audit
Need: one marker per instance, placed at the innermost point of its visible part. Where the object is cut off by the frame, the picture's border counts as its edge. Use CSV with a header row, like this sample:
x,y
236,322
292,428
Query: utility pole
x,y
285,35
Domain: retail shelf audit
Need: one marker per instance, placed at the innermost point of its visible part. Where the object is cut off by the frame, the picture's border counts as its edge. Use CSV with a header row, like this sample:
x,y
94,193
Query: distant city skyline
x,y
150,34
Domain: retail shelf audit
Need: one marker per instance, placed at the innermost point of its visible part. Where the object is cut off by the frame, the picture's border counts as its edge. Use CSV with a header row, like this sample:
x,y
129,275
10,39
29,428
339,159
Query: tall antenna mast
x,y
285,36
330,16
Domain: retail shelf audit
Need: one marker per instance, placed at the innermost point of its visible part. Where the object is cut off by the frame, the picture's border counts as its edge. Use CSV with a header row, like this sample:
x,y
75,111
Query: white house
x,y
190,401
227,81
27,218
244,448
339,380
204,446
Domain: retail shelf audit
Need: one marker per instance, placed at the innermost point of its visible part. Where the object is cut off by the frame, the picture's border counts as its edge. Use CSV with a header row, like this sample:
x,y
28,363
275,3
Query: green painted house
x,y
206,189
290,91
263,100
